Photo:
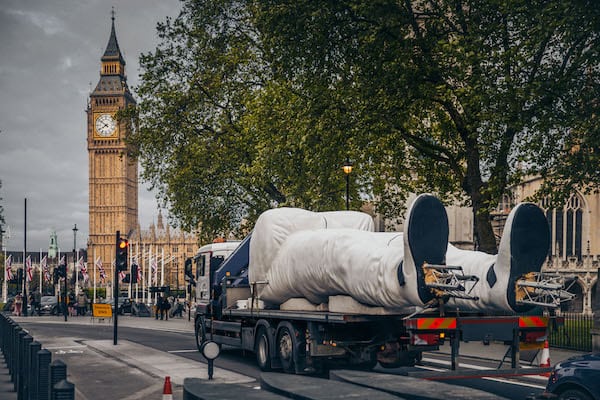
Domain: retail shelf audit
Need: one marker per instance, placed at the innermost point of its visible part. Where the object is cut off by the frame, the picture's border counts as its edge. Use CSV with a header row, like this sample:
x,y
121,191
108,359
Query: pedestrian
x,y
164,310
81,303
18,305
71,304
158,307
36,303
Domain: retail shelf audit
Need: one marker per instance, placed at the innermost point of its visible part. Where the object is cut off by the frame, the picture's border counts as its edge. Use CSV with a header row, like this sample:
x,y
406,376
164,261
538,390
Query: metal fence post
x,y
58,372
44,358
32,392
18,358
63,390
24,355
14,345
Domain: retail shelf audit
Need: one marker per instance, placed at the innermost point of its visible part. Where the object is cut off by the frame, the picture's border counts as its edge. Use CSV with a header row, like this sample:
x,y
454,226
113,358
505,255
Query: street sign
x,y
102,310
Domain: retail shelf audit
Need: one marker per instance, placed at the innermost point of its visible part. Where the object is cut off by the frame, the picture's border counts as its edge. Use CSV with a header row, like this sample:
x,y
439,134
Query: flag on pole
x,y
154,268
8,267
44,266
101,270
83,269
29,269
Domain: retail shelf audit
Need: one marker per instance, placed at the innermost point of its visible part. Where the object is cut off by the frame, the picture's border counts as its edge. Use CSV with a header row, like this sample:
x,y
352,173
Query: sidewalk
x,y
132,371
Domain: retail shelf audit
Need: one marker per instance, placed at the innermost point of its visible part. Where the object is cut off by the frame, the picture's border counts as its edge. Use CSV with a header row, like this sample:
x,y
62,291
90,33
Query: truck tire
x,y
262,350
199,333
286,347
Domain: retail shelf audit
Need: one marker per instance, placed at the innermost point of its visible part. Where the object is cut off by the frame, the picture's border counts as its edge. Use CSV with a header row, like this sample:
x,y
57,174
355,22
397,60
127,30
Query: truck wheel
x,y
262,350
286,349
200,334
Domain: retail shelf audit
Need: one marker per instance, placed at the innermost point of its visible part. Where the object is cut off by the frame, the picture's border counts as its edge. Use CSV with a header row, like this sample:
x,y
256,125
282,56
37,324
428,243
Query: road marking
x,y
183,351
478,367
76,346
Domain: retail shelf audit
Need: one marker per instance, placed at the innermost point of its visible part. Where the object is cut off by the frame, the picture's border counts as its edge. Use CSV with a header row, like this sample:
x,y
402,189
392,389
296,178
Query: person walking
x,y
36,302
164,309
81,303
159,307
18,305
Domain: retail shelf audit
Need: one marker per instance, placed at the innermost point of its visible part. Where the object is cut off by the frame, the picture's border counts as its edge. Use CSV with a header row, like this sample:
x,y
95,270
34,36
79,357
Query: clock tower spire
x,y
113,173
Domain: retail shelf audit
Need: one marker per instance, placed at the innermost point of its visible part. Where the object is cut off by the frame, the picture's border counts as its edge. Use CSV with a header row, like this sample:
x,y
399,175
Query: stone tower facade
x,y
113,174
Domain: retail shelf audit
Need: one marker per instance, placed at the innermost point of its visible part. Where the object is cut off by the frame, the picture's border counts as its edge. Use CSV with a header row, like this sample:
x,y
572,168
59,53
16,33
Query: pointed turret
x,y
112,51
113,79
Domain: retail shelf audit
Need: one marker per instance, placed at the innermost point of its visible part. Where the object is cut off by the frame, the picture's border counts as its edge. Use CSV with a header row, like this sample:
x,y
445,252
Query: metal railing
x,y
32,371
574,334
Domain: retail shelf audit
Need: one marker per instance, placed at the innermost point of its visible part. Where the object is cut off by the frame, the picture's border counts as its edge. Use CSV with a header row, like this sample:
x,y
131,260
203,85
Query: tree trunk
x,y
485,239
473,184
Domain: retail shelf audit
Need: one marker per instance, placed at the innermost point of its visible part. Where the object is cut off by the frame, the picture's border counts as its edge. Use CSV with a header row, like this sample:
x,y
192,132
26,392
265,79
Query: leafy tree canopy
x,y
251,104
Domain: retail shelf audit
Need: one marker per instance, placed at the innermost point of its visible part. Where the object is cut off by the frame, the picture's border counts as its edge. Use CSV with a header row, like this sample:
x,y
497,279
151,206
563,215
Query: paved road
x,y
148,350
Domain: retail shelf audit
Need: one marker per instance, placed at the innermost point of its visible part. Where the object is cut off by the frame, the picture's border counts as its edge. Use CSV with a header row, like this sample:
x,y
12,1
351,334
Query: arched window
x,y
566,227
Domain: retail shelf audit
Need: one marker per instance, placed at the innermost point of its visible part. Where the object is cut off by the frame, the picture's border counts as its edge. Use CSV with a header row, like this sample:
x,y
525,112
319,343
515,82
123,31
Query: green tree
x,y
250,104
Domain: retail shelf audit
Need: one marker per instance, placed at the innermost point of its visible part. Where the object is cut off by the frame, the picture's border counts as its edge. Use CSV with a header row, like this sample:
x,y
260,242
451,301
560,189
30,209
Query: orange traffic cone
x,y
545,358
167,391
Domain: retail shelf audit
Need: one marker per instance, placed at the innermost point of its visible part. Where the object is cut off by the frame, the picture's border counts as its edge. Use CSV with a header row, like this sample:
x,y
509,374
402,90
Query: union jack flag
x,y
83,269
8,267
101,270
154,268
44,266
29,269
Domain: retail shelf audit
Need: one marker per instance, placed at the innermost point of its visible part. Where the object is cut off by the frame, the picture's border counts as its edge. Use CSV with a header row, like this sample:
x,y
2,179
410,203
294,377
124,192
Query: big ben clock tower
x,y
113,174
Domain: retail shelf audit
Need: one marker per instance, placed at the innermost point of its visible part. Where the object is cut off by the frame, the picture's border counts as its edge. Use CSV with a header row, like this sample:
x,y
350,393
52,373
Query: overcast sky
x,y
49,56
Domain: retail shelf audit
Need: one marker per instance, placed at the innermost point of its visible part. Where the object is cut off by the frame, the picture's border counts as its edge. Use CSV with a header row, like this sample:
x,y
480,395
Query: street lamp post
x,y
347,167
75,255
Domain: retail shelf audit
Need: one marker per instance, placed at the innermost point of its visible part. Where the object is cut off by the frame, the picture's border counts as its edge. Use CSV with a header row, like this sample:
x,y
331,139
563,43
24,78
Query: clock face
x,y
105,125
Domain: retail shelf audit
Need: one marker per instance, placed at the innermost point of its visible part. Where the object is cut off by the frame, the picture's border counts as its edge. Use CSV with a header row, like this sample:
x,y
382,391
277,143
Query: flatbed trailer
x,y
313,341
305,342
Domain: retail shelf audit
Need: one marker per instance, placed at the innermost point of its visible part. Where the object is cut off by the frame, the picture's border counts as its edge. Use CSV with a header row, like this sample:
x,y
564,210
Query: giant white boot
x,y
523,248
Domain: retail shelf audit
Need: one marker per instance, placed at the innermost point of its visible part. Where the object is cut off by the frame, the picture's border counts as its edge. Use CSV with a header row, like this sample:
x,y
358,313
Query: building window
x,y
175,249
566,228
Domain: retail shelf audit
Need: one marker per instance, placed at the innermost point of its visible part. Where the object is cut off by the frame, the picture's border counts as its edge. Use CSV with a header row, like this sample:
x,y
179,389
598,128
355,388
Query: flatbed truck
x,y
312,342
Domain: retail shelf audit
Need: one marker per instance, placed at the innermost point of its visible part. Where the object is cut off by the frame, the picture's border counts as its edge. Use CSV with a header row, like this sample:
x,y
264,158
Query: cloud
x,y
49,24
51,52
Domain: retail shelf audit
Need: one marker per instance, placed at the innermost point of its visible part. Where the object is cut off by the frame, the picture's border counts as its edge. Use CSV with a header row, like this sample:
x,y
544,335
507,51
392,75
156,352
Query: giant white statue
x,y
298,254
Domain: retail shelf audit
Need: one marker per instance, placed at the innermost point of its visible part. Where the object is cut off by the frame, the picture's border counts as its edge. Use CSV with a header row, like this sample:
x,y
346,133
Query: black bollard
x,y
24,368
18,359
63,390
32,393
44,357
58,372
14,354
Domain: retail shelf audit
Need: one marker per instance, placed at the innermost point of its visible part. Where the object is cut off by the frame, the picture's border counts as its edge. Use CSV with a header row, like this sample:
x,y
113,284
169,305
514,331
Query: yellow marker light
x,y
442,335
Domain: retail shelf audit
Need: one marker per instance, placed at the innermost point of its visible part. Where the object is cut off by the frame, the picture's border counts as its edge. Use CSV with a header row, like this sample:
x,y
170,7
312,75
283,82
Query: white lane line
x,y
77,346
183,351
478,367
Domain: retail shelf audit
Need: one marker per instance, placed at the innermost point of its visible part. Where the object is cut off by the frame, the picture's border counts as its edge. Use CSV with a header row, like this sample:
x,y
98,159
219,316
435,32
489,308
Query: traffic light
x,y
122,246
134,273
189,274
62,271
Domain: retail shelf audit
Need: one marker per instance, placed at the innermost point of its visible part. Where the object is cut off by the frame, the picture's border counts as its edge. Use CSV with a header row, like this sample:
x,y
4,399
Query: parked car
x,y
49,305
576,378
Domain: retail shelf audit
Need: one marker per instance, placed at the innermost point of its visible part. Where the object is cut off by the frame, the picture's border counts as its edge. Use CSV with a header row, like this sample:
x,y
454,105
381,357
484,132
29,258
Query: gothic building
x,y
113,184
575,238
